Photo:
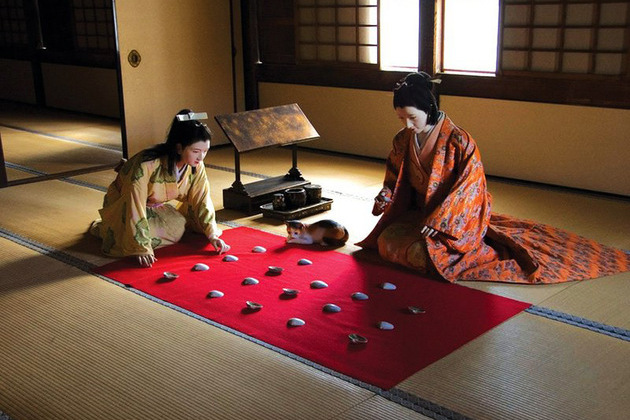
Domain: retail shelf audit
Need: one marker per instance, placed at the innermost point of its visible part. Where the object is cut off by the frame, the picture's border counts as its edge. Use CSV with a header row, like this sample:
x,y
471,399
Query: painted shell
x,y
318,284
253,305
387,286
248,281
295,322
274,269
331,308
230,258
360,296
170,276
290,292
259,249
384,325
415,310
215,294
357,339
200,267
304,261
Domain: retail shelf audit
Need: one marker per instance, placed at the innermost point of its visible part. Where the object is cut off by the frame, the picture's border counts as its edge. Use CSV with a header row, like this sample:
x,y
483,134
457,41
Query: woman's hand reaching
x,y
381,201
146,260
219,245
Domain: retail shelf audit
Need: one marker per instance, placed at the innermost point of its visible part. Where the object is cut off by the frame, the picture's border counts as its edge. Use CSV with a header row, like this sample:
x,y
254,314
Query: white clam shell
x,y
200,267
253,305
259,249
360,296
384,325
415,310
387,286
295,322
230,258
304,261
169,275
215,294
318,284
357,339
331,307
248,281
290,292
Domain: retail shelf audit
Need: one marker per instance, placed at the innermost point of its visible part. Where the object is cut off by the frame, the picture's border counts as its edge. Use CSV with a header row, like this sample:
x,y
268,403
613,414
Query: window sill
x,y
559,89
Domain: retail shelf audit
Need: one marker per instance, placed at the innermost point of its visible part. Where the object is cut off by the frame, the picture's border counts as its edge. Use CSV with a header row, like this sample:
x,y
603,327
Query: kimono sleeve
x,y
136,238
200,206
464,214
395,160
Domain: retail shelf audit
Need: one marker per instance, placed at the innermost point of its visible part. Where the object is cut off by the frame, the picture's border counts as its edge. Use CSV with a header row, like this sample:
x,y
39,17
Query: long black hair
x,y
416,90
184,133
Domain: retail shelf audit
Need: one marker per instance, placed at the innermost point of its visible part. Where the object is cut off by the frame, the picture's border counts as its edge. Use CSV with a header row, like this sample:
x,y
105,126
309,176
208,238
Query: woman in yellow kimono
x,y
158,193
436,210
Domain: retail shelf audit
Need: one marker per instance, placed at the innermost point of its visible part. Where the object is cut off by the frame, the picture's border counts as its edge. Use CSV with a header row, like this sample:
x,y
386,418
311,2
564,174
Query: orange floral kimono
x,y
472,243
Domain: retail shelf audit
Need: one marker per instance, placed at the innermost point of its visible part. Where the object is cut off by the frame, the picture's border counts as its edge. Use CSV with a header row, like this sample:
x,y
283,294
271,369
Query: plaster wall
x,y
85,89
185,50
571,146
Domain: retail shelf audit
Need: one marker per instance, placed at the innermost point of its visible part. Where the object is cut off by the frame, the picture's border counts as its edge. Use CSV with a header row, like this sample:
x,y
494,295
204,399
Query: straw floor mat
x,y
50,155
78,347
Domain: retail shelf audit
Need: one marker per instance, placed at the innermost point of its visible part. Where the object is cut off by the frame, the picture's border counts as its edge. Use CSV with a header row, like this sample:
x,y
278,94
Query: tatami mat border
x,y
609,330
577,321
255,175
400,397
217,167
64,138
48,251
612,331
65,179
226,169
22,168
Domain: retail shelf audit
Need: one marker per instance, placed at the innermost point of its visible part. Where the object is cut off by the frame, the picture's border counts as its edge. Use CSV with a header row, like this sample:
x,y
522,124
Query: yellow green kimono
x,y
146,208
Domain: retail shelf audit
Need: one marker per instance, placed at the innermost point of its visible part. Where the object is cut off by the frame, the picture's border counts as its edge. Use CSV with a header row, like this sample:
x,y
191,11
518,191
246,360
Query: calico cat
x,y
323,232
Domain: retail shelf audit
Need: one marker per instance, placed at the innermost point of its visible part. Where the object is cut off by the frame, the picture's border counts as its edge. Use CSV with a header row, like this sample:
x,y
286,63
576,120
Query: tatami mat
x,y
76,346
605,300
378,408
602,218
51,156
97,180
532,368
55,213
17,174
330,171
82,127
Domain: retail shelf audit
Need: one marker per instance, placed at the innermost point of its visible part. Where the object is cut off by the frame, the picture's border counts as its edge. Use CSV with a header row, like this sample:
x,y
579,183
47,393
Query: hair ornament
x,y
192,116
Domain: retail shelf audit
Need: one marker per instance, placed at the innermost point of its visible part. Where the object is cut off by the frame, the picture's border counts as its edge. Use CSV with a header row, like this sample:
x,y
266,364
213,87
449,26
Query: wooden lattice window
x,y
563,36
342,31
13,24
94,25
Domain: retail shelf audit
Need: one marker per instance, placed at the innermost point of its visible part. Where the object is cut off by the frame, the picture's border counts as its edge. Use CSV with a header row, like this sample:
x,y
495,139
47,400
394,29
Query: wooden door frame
x,y
3,169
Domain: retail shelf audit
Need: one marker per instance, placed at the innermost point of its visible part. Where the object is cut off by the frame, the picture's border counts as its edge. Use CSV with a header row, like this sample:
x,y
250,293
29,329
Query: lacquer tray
x,y
323,205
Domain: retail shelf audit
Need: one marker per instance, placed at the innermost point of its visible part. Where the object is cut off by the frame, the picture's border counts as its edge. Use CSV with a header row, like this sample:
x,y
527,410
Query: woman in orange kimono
x,y
158,193
436,210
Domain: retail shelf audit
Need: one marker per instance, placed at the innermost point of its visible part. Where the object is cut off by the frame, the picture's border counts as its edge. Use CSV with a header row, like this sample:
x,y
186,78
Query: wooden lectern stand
x,y
284,125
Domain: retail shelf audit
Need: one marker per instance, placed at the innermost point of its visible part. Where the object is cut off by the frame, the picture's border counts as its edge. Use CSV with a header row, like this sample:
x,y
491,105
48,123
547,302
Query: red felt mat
x,y
454,314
